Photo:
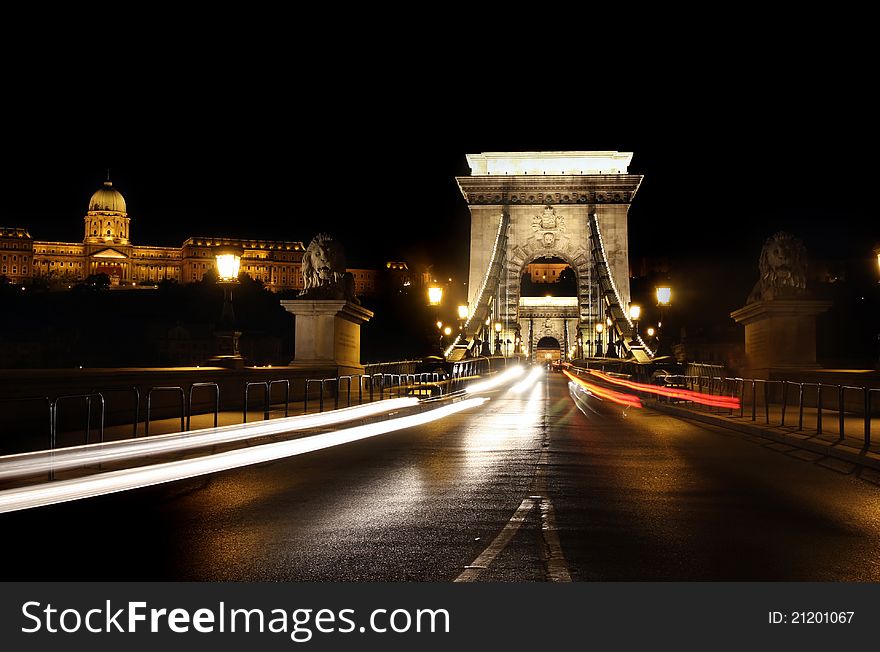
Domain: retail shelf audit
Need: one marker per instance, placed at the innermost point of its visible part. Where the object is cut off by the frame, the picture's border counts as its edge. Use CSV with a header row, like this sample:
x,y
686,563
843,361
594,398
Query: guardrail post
x,y
216,403
800,406
784,400
841,431
819,409
867,417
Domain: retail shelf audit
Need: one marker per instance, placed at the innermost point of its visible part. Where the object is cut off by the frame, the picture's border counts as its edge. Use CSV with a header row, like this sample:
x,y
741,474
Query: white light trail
x,y
496,381
527,382
12,466
126,479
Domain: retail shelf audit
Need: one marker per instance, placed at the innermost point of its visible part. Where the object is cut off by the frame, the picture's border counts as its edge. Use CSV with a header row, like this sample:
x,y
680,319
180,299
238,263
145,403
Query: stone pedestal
x,y
328,333
780,333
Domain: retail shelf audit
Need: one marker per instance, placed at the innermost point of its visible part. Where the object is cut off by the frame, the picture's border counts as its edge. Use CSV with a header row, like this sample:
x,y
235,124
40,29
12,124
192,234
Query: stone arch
x,y
545,344
521,255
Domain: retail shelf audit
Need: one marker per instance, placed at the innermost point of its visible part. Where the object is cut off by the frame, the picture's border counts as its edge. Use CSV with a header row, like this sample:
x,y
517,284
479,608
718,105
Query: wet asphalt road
x,y
637,496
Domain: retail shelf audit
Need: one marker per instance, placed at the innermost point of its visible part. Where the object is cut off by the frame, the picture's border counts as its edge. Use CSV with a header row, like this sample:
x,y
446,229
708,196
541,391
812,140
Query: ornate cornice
x,y
550,189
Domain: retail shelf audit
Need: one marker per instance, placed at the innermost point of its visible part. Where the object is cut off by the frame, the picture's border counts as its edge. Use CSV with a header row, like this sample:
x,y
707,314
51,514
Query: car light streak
x,y
39,462
126,479
684,394
528,381
604,393
497,381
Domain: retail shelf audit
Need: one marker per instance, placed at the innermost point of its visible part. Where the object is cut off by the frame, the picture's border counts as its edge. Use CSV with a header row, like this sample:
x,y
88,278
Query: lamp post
x,y
497,338
486,350
877,251
599,328
610,350
664,300
435,297
228,260
462,318
635,312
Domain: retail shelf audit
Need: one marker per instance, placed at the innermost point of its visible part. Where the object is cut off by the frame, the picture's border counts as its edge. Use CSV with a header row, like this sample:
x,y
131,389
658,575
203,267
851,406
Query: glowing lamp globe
x,y
664,296
435,295
228,263
634,312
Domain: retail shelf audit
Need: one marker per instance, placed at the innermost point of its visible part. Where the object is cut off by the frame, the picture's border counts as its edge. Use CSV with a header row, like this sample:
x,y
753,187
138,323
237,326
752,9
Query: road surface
x,y
527,487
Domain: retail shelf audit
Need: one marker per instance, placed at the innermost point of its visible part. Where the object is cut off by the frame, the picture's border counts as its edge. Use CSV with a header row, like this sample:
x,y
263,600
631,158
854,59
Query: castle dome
x,y
107,198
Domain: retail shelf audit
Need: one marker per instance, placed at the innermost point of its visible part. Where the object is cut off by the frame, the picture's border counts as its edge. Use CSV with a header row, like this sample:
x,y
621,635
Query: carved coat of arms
x,y
548,221
547,224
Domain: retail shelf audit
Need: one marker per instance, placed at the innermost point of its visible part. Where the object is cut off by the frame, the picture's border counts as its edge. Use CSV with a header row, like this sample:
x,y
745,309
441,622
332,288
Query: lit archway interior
x,y
547,350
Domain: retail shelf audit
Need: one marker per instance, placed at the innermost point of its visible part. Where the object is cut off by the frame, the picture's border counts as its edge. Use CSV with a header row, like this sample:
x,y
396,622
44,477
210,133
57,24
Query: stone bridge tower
x,y
529,205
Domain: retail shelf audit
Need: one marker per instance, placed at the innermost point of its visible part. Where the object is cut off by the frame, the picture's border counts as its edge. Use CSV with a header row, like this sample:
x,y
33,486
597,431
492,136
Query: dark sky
x,y
372,157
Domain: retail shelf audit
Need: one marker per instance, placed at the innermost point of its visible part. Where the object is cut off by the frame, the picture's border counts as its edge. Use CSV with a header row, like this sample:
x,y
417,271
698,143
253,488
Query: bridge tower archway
x,y
548,349
528,205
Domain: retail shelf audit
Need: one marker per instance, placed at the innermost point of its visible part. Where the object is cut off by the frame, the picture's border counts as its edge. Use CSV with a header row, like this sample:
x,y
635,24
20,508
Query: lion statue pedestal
x,y
327,315
779,316
328,333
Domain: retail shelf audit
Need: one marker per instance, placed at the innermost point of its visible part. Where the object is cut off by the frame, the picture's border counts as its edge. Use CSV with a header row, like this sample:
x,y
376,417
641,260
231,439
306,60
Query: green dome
x,y
107,198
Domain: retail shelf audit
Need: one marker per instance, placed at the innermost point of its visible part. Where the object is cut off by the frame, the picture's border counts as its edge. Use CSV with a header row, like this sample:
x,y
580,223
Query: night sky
x,y
372,157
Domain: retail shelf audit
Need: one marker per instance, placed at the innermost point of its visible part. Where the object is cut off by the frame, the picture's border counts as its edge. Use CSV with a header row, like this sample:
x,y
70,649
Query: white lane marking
x,y
472,571
557,569
125,479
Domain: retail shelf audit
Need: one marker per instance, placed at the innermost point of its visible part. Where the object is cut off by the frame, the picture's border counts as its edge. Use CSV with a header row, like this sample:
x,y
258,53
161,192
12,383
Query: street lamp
x,y
650,332
635,312
599,328
497,338
610,351
228,260
664,296
485,350
462,318
877,251
435,295
664,299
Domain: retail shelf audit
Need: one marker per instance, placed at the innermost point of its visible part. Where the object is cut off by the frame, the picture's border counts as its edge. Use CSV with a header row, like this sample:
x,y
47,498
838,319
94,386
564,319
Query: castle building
x,y
541,272
107,249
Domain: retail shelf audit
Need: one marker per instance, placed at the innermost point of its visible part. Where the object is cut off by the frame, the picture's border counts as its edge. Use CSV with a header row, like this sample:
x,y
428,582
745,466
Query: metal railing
x,y
386,380
788,395
183,411
54,411
216,402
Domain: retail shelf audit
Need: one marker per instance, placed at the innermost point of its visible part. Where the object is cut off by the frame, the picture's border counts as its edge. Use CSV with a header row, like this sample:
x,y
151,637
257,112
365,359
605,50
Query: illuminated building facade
x,y
541,272
107,249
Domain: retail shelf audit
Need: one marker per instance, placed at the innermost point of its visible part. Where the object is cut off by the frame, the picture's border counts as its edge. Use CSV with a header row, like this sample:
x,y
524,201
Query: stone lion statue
x,y
783,269
323,271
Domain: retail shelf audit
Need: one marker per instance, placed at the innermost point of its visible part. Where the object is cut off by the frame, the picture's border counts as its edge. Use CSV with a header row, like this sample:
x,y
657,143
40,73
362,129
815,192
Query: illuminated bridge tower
x,y
530,205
